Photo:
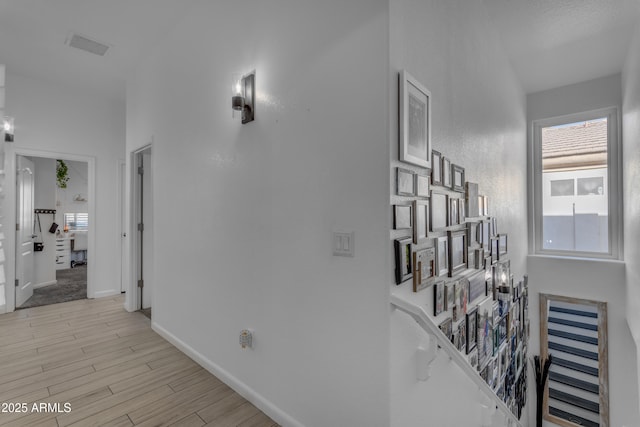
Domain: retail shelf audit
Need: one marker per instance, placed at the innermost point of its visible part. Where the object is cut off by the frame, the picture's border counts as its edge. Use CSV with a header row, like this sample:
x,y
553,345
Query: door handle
x,y
33,236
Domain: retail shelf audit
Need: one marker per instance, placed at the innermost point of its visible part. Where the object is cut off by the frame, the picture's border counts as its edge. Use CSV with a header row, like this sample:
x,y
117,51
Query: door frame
x,y
132,296
121,214
11,153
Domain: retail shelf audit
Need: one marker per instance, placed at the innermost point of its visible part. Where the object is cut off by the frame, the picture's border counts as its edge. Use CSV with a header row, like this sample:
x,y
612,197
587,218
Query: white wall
x,y
45,198
77,185
56,119
602,280
243,214
478,121
630,139
3,306
576,98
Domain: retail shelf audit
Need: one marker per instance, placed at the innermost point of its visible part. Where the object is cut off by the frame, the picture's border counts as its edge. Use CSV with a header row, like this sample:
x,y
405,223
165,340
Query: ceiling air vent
x,y
88,45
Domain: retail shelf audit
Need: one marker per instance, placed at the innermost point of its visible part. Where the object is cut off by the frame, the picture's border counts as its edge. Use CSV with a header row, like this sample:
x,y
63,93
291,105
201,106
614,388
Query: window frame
x,y
614,182
75,221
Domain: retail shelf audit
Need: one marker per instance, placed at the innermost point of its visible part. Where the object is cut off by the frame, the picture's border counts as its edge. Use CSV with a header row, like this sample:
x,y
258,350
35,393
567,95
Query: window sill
x,y
584,258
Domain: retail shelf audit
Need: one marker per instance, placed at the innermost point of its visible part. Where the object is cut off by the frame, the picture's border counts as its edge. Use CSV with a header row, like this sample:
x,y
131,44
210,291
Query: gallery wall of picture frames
x,y
447,245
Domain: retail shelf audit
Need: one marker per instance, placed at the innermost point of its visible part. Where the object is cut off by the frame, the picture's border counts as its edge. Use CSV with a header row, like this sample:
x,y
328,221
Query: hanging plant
x,y
62,174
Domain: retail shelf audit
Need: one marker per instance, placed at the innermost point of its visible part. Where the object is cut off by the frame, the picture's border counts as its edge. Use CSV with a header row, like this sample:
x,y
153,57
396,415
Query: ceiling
x,y
552,43
33,34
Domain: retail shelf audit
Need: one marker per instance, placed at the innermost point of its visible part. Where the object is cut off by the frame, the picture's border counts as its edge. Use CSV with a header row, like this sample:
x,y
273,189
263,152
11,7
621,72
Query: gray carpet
x,y
72,285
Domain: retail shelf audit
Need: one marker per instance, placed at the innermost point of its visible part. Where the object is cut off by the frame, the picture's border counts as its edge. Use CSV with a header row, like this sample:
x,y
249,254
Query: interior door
x,y
24,230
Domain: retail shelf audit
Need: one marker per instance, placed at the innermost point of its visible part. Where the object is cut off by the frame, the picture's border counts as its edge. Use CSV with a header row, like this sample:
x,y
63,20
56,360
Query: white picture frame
x,y
415,121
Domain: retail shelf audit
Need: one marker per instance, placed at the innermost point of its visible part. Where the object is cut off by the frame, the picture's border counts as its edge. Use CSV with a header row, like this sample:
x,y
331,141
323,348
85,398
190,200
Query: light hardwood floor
x,y
111,368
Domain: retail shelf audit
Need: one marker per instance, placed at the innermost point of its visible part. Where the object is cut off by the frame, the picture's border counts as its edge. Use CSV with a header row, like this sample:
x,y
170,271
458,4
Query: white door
x,y
24,230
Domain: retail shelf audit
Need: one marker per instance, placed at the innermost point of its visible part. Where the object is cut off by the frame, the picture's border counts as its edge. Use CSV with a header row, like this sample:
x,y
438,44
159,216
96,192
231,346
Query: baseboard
x,y
43,284
109,293
238,386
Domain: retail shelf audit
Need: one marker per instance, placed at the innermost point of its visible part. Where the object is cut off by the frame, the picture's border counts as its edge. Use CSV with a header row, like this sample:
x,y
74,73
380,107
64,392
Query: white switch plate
x,y
343,243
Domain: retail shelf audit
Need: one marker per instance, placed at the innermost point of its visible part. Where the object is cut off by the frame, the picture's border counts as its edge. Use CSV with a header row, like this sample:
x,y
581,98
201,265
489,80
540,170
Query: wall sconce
x,y
244,96
8,128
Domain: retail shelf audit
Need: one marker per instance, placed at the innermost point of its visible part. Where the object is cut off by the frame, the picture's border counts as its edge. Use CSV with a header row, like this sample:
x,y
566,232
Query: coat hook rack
x,y
45,211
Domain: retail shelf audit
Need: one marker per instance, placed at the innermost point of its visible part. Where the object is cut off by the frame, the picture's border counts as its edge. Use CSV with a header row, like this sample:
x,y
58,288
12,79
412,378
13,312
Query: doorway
x,y
52,231
142,254
49,256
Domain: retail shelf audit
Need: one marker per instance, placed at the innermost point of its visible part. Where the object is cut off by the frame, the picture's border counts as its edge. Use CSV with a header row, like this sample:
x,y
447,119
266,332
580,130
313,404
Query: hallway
x,y
111,368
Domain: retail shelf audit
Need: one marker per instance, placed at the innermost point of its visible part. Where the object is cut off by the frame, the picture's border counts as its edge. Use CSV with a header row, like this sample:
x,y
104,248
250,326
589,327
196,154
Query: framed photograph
x,y
486,236
447,328
477,287
457,178
494,226
420,220
478,259
457,251
471,199
495,249
502,245
439,211
422,185
446,172
404,269
438,298
424,261
436,167
461,345
442,256
473,358
449,301
453,211
472,329
405,185
462,215
485,330
415,121
485,205
402,217
472,234
481,205
462,296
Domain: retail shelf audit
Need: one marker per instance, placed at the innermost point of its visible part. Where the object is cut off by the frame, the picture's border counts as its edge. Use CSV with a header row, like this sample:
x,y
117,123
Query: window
x,y
76,221
576,185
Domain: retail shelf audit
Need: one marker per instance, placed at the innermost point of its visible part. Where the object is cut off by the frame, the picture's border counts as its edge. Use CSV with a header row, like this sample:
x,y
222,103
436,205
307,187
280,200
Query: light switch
x,y
343,244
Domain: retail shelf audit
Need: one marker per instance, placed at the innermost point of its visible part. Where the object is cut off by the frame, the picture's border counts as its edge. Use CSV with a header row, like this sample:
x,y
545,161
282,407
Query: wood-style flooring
x,y
112,370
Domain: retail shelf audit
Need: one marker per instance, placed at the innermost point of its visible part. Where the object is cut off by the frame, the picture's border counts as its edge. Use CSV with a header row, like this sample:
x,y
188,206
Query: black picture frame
x,y
472,329
477,287
454,205
436,167
404,262
422,185
446,172
438,298
458,251
415,121
446,327
423,268
439,204
421,221
405,182
502,245
457,178
471,199
441,245
402,217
